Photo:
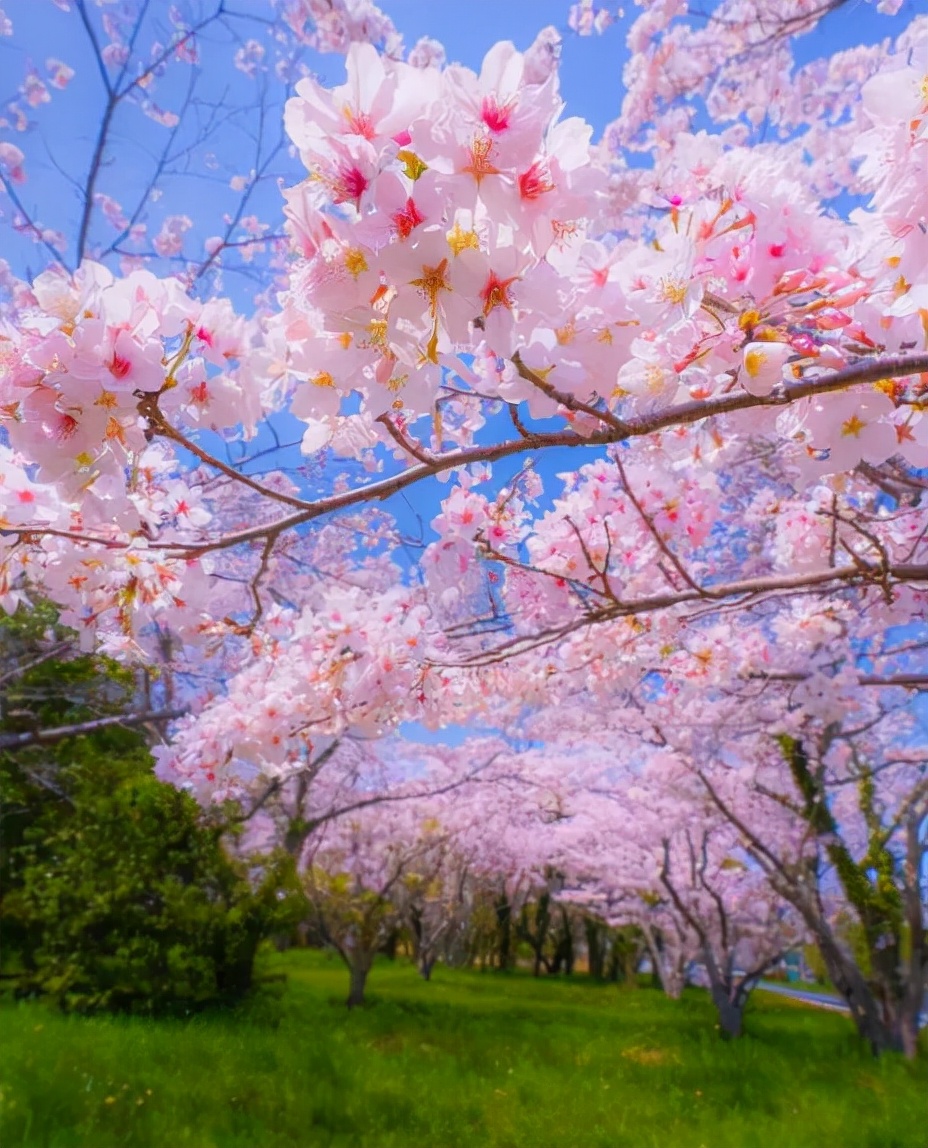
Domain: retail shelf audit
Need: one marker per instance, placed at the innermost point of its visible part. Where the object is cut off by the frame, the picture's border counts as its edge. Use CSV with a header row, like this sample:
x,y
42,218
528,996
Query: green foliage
x,y
48,683
117,893
626,952
613,953
533,929
853,936
816,964
131,903
357,920
472,1059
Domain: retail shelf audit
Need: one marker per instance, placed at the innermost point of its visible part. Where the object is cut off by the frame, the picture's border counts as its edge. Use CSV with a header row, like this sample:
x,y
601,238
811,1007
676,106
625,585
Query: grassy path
x,y
469,1060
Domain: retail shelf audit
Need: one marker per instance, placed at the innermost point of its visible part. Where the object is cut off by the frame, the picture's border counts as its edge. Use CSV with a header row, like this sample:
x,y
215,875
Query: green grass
x,y
468,1060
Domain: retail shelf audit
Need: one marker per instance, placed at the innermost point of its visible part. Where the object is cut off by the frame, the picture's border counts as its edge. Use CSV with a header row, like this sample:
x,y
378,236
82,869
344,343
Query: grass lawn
x,y
471,1059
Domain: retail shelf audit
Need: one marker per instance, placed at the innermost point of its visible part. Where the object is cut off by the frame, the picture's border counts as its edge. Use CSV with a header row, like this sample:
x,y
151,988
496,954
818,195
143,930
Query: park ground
x,y
472,1059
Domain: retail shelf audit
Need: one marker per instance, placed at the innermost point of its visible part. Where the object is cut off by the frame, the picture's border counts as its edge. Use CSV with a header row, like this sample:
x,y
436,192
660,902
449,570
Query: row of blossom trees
x,y
515,855
674,388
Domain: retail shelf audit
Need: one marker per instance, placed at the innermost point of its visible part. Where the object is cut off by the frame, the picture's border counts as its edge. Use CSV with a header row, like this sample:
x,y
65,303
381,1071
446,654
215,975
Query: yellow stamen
x,y
852,427
413,167
431,283
460,240
480,165
355,263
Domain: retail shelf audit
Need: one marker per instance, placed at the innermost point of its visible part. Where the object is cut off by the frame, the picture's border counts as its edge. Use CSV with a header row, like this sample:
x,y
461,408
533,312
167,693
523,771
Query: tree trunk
x,y
731,1016
908,1034
887,1024
884,1005
631,958
426,964
415,922
673,977
566,942
358,981
594,949
503,931
390,944
667,967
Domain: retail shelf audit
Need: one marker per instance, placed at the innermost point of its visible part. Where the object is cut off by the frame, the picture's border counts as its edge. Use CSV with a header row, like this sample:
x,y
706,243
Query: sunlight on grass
x,y
468,1060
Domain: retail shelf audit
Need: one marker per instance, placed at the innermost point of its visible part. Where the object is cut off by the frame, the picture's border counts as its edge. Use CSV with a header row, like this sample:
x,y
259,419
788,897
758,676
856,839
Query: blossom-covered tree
x,y
354,870
851,839
811,783
678,403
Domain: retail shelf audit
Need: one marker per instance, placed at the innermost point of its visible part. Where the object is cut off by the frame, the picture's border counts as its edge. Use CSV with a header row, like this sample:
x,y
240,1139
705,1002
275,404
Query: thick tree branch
x,y
59,733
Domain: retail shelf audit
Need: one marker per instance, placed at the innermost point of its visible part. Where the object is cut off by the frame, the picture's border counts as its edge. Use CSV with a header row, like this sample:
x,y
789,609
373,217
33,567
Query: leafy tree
x,y
118,892
47,688
132,903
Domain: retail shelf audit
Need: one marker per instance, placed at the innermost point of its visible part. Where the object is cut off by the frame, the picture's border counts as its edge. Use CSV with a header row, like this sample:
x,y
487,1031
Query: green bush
x,y
117,893
132,904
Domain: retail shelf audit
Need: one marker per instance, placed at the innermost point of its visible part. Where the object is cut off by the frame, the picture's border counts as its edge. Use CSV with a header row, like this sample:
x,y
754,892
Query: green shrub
x,y
116,893
132,904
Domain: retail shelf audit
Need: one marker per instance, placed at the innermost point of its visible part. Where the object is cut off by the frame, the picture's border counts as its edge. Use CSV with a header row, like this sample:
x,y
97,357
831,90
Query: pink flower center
x,y
65,428
495,293
359,123
349,184
535,182
119,366
406,220
496,116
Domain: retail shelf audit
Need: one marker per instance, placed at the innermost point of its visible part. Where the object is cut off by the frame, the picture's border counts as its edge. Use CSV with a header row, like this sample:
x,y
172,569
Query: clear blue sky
x,y
59,143
591,66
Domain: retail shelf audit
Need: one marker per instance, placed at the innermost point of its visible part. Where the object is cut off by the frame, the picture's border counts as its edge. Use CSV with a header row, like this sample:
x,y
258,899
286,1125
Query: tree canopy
x,y
602,461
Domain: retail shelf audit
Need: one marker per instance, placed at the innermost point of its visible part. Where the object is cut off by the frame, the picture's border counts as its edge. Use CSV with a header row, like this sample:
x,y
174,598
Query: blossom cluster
x,y
450,220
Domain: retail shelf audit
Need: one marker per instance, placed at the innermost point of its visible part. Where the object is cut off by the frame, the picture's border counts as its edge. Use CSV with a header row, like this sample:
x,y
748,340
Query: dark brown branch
x,y
148,408
277,784
858,574
682,414
405,442
569,401
906,681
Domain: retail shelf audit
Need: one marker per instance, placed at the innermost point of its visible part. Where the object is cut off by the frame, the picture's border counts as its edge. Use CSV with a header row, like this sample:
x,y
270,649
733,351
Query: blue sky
x,y
60,138
591,66
59,142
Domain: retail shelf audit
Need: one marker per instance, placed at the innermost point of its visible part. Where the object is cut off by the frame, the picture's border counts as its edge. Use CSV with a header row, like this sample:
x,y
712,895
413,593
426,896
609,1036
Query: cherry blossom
x,y
617,457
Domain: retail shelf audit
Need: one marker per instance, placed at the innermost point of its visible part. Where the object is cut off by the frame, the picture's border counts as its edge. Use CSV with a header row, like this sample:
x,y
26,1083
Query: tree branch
x,y
59,733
